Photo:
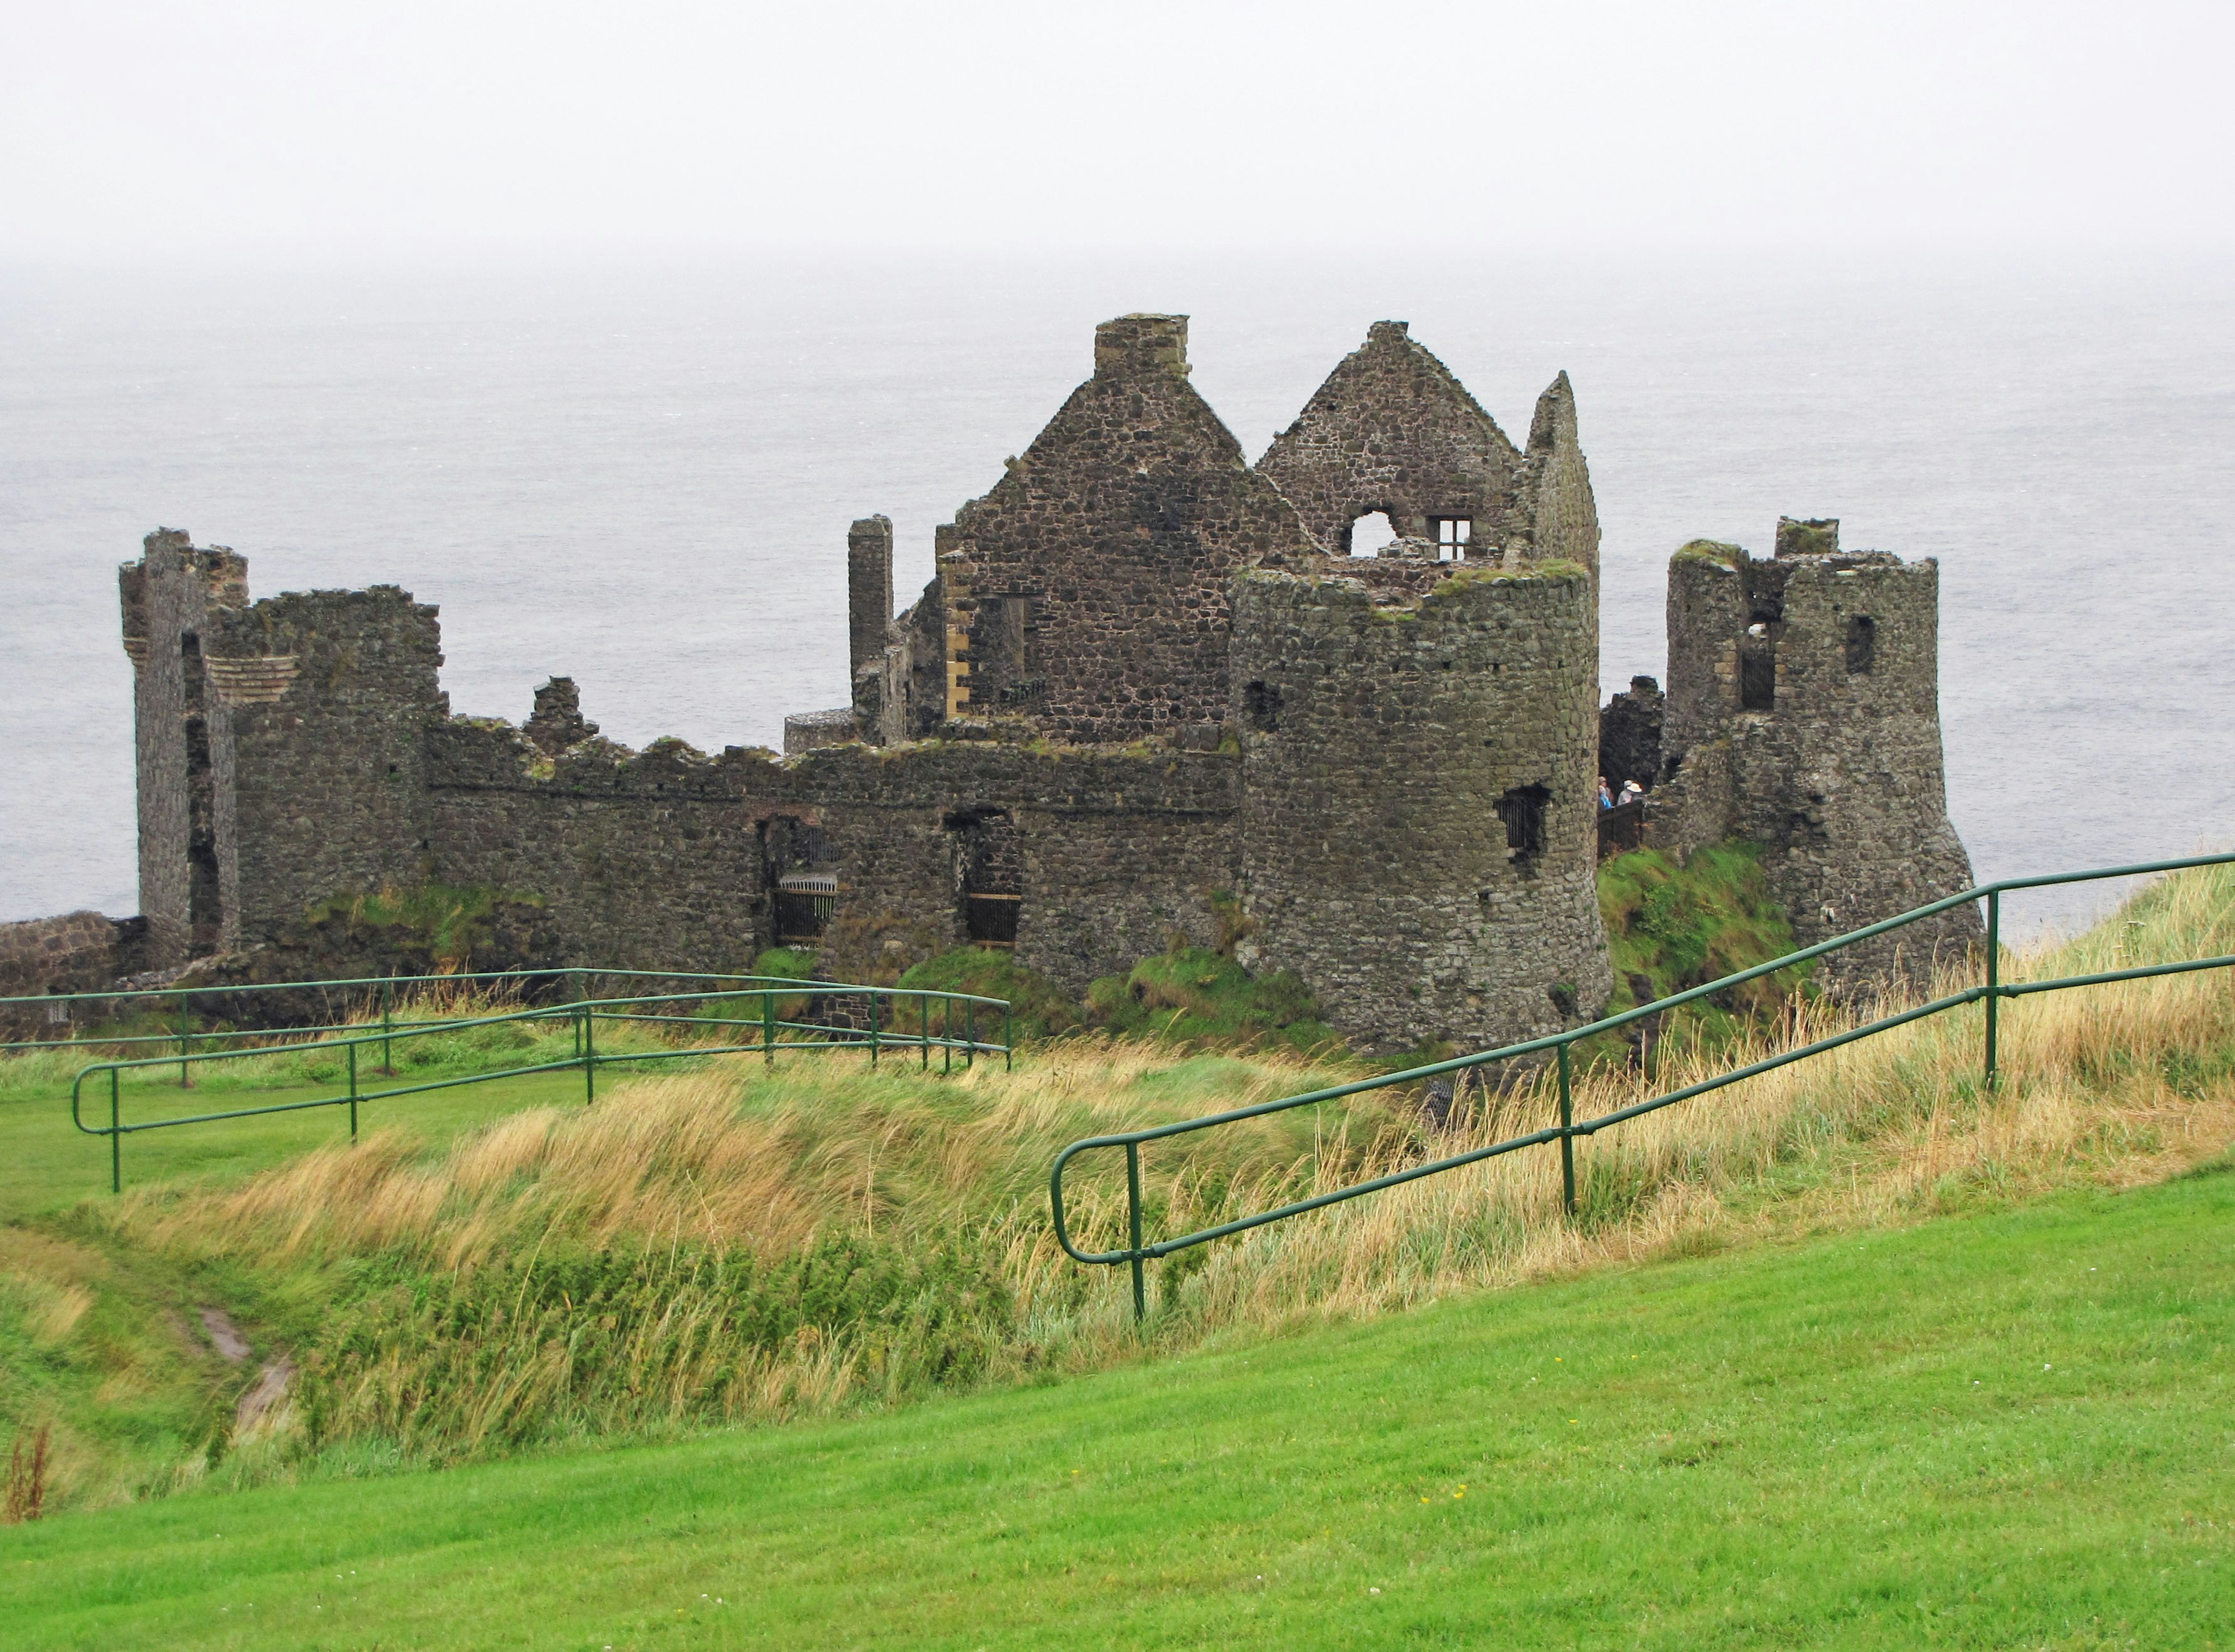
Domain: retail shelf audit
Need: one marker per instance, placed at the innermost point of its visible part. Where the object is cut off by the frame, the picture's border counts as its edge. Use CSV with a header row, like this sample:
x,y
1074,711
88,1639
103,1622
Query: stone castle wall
x,y
1420,783
183,756
325,698
1392,431
1087,591
1803,713
667,858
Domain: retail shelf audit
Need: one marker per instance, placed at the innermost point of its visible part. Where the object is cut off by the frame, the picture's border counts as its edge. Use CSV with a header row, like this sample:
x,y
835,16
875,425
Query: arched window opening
x,y
1371,535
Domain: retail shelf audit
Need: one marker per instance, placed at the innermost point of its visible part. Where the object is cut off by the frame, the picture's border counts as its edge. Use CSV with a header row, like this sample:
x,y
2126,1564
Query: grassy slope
x,y
45,1165
2007,1429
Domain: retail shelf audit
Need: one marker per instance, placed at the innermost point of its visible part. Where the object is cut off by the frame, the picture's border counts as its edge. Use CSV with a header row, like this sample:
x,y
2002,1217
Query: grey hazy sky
x,y
246,125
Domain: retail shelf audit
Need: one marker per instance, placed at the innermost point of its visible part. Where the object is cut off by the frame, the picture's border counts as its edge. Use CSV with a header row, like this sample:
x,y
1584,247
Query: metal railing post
x,y
1567,1135
1133,1217
768,1026
186,1042
945,1037
923,1019
388,1028
353,1096
589,1056
873,1029
970,1033
1008,1037
1994,977
116,1138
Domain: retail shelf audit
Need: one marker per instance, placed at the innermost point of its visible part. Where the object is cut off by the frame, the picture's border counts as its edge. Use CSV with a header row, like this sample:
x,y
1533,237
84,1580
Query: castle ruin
x,y
1149,687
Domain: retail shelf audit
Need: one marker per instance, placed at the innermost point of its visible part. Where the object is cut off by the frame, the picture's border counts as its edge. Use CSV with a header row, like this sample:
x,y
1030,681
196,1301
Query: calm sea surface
x,y
642,477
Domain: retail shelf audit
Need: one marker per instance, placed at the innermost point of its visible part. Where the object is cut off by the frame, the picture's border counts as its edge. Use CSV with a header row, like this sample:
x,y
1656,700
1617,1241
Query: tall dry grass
x,y
725,1245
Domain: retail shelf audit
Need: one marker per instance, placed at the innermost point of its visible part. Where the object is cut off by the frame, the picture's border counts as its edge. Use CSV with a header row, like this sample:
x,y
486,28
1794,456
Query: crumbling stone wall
x,y
79,952
182,746
1391,429
1087,591
1804,714
326,696
278,744
1629,735
1419,783
661,860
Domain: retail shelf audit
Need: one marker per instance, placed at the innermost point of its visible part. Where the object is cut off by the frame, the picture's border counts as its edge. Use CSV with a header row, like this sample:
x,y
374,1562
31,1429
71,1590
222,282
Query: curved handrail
x,y
1568,1129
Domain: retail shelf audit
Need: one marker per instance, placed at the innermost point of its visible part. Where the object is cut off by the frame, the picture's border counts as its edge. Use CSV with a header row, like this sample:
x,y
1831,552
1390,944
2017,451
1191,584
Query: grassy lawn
x,y
2005,1429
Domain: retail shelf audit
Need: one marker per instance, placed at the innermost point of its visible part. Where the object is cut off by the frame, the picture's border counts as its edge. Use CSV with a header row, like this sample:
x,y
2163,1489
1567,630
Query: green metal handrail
x,y
1565,1133
883,1033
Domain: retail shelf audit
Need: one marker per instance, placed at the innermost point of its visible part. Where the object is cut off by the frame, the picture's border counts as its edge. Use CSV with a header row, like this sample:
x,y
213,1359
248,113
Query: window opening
x,y
1862,646
1371,535
989,866
205,894
1260,704
1523,810
804,884
1452,533
1758,669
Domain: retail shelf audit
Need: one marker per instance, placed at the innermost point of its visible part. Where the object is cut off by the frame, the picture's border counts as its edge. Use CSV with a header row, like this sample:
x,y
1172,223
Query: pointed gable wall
x,y
1562,517
1088,590
1391,429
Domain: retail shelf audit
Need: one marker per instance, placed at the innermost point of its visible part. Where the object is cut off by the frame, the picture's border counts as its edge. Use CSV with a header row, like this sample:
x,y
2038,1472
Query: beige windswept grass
x,y
730,1244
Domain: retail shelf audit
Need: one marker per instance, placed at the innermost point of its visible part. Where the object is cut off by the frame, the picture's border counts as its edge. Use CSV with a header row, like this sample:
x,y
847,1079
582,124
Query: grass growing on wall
x,y
1673,925
444,923
570,1274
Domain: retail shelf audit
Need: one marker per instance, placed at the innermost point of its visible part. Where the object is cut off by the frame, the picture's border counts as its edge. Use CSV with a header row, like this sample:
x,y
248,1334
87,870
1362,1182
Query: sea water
x,y
640,475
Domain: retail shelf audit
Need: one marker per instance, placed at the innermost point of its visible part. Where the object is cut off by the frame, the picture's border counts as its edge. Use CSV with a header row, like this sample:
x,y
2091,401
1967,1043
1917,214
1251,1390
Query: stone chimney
x,y
558,721
1141,343
1817,536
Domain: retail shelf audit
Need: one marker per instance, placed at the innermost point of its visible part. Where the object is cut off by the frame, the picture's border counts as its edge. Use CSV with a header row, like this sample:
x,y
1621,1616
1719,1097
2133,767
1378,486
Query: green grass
x,y
1675,925
2010,1429
46,1165
1195,995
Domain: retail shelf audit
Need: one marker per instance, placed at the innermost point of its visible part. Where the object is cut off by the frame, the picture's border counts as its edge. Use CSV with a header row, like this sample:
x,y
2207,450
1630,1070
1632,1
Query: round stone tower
x,y
1419,781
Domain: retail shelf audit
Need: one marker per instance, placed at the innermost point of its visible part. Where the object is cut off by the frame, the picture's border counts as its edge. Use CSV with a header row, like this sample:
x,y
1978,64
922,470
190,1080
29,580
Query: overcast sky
x,y
246,125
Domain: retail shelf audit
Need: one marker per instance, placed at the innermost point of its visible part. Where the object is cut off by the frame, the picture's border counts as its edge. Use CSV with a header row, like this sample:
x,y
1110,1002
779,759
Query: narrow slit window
x,y
1452,533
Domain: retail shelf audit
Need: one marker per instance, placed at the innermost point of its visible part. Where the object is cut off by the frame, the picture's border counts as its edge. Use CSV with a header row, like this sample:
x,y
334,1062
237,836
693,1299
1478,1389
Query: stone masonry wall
x,y
79,952
658,859
182,754
1562,517
1088,590
325,696
1391,429
1804,713
1420,783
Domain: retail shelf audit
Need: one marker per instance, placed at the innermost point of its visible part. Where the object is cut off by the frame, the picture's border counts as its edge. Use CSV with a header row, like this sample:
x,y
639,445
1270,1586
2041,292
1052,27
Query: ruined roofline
x,y
1394,336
